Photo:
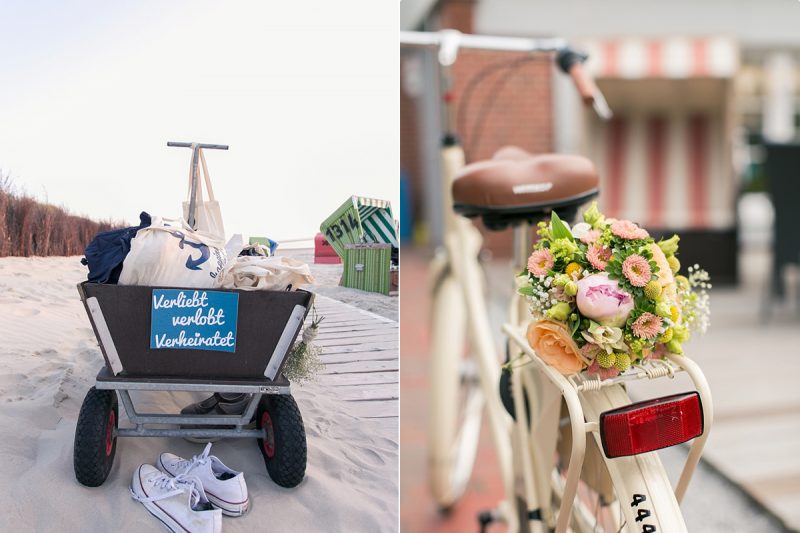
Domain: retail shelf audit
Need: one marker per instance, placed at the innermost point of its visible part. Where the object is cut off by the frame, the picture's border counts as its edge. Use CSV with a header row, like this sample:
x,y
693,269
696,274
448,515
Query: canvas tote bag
x,y
169,253
208,216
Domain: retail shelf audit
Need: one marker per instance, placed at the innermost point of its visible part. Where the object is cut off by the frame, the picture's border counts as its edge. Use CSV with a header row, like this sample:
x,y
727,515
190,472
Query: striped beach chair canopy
x,y
377,220
360,220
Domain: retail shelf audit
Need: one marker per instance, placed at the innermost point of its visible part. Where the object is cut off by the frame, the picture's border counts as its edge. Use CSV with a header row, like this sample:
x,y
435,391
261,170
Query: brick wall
x,y
457,14
513,109
502,110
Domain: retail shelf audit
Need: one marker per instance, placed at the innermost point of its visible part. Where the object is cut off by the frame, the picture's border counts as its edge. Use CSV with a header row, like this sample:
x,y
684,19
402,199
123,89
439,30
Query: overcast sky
x,y
305,94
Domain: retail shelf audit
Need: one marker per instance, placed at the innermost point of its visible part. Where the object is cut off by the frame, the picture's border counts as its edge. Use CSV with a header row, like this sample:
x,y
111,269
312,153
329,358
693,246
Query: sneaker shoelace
x,y
174,486
198,460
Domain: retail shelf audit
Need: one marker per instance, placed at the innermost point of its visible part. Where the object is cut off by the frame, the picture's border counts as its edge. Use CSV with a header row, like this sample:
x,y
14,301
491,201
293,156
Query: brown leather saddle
x,y
516,186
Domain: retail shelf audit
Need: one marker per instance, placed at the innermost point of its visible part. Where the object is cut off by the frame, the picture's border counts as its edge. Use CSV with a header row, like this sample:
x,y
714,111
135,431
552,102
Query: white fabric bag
x,y
252,273
208,216
169,253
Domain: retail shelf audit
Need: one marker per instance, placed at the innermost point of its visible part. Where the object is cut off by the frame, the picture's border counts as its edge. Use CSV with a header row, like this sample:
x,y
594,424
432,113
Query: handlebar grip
x,y
583,82
199,145
214,146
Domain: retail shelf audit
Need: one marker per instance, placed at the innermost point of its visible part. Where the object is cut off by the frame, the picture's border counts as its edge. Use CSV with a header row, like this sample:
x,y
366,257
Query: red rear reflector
x,y
651,425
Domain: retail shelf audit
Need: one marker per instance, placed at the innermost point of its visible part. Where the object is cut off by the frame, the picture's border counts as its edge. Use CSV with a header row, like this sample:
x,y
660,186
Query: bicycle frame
x,y
528,463
462,245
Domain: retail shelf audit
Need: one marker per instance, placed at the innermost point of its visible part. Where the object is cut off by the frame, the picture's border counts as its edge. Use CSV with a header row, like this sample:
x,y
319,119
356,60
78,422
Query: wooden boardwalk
x,y
360,352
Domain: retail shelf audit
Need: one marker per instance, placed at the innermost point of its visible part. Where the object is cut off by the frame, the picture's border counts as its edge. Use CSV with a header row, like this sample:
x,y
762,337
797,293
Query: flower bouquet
x,y
604,296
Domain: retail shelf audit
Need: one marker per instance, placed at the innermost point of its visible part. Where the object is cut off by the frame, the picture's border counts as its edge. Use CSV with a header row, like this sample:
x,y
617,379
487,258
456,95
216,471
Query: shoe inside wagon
x,y
224,404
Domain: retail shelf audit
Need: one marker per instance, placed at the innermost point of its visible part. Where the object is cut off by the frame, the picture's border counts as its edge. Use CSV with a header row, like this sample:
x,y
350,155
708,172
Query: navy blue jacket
x,y
107,251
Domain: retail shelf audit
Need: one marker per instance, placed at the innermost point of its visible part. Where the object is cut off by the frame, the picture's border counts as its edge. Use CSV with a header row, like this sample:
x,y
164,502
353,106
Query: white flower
x,y
581,229
607,337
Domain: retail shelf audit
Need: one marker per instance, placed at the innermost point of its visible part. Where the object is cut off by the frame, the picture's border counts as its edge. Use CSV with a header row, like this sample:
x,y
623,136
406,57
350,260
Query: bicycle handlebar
x,y
583,82
482,42
571,62
199,145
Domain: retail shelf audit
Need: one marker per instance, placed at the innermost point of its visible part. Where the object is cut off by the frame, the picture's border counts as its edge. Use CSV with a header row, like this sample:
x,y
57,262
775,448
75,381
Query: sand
x,y
49,358
327,284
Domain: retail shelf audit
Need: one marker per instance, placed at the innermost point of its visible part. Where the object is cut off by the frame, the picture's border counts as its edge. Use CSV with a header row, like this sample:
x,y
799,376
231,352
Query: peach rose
x,y
553,343
664,273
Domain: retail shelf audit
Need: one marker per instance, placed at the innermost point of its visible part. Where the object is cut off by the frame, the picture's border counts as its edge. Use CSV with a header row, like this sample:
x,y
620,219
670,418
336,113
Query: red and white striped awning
x,y
665,171
676,57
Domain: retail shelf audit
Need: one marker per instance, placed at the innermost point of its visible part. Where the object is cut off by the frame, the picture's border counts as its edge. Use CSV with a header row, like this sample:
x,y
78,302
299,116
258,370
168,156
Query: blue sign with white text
x,y
194,319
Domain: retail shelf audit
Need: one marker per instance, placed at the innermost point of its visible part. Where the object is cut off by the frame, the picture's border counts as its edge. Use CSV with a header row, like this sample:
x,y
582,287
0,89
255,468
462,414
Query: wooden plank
x,y
355,327
390,341
340,317
350,380
354,312
360,353
359,356
373,340
347,322
362,335
361,366
359,349
355,334
341,309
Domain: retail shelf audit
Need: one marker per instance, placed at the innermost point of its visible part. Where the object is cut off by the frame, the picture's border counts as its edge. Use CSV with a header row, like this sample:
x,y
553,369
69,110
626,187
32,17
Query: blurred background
x,y
704,142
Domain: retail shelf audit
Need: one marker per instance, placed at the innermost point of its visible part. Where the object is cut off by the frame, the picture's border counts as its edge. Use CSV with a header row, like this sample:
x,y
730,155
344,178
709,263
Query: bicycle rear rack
x,y
571,389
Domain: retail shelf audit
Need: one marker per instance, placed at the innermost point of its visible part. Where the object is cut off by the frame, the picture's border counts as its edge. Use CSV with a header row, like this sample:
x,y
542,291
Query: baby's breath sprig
x,y
695,301
303,362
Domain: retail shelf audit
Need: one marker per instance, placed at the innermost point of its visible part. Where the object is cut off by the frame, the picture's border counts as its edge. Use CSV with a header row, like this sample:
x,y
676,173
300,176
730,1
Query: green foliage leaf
x,y
574,326
526,290
560,231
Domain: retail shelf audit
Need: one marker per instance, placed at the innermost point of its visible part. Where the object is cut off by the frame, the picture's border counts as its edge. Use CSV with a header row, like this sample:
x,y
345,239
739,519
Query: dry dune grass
x,y
29,227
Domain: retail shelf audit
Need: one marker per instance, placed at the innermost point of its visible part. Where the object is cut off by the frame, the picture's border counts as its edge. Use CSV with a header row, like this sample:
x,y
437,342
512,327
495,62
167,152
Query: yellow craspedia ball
x,y
666,336
652,290
674,264
623,362
683,282
606,360
573,268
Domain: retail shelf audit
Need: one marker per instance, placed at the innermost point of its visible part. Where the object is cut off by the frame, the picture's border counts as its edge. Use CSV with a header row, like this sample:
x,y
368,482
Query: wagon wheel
x,y
95,437
284,443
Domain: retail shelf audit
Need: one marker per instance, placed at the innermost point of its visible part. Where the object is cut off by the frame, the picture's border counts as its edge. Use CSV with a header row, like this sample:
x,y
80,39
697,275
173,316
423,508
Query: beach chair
x,y
363,233
360,220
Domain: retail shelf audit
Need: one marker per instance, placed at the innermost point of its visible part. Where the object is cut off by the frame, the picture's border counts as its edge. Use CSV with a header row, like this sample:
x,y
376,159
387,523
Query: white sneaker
x,y
224,487
179,502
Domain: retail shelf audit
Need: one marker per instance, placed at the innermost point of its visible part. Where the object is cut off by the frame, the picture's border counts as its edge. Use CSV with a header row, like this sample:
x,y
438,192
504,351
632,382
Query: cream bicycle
x,y
554,477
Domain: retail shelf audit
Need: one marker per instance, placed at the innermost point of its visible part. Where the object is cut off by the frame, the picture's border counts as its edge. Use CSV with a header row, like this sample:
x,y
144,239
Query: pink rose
x,y
601,299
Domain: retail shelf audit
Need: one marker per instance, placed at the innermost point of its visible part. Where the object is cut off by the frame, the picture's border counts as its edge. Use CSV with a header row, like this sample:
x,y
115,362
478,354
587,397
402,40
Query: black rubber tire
x,y
92,459
287,463
506,395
